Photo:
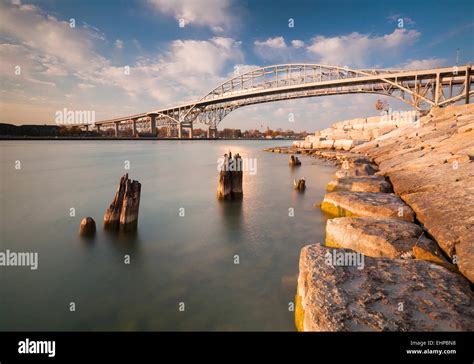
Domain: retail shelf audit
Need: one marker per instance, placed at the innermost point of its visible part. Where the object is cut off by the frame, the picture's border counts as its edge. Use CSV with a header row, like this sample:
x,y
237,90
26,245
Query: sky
x,y
124,57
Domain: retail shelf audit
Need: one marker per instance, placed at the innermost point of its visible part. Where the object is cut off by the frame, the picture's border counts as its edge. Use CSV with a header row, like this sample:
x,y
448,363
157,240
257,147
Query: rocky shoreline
x,y
403,202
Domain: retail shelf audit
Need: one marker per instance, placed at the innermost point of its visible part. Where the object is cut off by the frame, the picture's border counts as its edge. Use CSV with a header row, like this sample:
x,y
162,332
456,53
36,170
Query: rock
x,y
294,161
466,128
386,295
229,185
356,169
381,237
447,216
458,158
87,227
300,185
430,167
123,211
326,144
360,184
366,204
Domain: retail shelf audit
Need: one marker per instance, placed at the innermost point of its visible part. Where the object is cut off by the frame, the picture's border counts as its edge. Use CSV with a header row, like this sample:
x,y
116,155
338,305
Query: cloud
x,y
28,26
272,48
51,54
420,64
240,69
296,43
360,50
276,43
85,86
215,14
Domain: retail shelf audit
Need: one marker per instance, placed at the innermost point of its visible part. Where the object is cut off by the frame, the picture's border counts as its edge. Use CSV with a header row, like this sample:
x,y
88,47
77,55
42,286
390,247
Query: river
x,y
182,272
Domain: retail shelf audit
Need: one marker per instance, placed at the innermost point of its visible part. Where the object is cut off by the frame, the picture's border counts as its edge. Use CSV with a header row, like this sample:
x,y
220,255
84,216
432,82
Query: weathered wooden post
x,y
294,161
300,185
237,192
112,214
229,186
123,211
131,204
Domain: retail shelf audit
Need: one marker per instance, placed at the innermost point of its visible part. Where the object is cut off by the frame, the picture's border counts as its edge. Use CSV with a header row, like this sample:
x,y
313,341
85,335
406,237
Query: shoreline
x,y
136,139
415,252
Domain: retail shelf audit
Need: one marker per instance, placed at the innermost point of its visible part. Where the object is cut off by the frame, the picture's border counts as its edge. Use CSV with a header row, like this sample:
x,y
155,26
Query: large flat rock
x,y
366,204
360,184
381,237
449,218
432,168
386,295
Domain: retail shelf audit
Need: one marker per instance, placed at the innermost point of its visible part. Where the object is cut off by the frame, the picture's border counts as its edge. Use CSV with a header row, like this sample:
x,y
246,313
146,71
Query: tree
x,y
381,105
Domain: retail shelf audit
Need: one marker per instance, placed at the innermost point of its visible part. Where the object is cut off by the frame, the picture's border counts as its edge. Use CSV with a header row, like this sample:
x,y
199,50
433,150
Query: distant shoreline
x,y
2,137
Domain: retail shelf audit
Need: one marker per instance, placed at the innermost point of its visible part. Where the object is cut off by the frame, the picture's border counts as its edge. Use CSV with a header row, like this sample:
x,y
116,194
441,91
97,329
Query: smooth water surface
x,y
174,259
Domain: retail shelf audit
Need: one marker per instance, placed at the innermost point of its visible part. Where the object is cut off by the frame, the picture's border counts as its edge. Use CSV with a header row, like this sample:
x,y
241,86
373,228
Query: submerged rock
x,y
386,295
382,237
87,227
360,184
366,204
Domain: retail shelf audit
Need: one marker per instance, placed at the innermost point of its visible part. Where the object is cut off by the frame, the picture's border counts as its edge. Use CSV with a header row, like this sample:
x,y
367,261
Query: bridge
x,y
421,89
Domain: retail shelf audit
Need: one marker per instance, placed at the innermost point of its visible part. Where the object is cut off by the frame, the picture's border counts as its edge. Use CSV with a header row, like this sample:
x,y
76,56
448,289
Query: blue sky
x,y
81,68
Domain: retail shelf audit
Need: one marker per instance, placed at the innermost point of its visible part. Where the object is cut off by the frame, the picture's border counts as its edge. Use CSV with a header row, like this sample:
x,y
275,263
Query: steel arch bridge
x,y
421,89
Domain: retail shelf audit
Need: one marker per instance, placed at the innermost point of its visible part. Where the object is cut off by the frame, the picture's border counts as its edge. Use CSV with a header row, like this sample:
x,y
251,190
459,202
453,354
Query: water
x,y
173,259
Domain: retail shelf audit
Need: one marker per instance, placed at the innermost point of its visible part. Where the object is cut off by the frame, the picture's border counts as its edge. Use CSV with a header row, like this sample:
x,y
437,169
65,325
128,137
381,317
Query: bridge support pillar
x,y
153,125
190,129
98,128
212,132
116,129
134,127
181,130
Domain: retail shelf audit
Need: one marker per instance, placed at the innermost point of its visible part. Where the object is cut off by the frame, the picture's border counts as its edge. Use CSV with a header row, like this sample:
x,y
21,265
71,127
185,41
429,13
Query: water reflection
x,y
123,242
231,213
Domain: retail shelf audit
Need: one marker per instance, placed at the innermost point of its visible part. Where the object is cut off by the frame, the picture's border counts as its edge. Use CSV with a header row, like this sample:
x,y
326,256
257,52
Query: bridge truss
x,y
421,89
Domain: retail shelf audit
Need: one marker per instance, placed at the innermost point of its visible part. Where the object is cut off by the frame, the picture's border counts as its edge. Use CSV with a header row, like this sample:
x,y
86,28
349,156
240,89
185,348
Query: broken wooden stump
x,y
123,211
294,161
299,185
229,186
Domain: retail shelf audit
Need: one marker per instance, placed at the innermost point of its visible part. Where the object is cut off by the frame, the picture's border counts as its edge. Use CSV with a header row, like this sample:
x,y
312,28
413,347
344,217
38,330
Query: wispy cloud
x,y
358,49
215,14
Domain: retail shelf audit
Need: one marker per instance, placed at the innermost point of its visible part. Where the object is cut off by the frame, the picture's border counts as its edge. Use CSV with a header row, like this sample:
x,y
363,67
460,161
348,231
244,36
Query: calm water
x,y
174,259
